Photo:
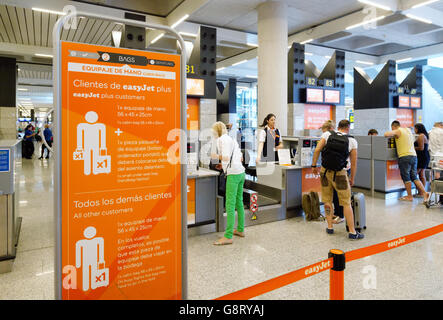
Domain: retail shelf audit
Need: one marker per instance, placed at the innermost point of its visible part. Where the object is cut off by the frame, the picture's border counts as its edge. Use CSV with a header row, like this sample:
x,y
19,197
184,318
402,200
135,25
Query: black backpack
x,y
336,152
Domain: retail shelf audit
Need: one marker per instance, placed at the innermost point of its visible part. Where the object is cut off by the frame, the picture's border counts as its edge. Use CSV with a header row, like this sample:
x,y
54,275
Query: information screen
x,y
332,96
415,102
121,196
403,101
195,87
314,95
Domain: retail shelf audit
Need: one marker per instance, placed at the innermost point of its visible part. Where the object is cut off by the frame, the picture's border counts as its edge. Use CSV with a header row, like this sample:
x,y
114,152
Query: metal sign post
x,y
57,71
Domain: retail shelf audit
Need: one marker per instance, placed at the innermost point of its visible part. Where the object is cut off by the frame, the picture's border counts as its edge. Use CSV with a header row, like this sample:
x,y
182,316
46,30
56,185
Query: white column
x,y
273,62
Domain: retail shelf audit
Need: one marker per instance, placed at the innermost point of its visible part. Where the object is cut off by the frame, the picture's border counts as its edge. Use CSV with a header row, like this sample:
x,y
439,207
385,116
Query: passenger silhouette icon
x,y
89,255
91,145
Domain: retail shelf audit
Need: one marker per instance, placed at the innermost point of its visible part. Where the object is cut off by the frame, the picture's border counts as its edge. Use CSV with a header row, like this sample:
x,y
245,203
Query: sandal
x,y
405,199
223,241
239,234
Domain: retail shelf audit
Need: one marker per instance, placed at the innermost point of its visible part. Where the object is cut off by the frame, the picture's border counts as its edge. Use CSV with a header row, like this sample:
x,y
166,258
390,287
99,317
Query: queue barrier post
x,y
336,275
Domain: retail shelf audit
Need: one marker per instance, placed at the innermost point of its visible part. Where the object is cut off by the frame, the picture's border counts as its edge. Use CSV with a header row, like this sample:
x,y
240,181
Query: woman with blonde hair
x,y
228,152
327,126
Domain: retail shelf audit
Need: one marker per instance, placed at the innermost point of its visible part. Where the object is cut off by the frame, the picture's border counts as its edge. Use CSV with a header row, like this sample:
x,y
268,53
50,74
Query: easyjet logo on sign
x,y
393,167
318,267
312,176
396,243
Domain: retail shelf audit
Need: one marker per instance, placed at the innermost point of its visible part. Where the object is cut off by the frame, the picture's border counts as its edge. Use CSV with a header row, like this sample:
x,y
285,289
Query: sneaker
x,y
329,231
356,236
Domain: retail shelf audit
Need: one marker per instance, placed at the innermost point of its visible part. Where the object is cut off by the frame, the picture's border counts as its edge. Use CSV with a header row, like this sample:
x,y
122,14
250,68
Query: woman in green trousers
x,y
229,153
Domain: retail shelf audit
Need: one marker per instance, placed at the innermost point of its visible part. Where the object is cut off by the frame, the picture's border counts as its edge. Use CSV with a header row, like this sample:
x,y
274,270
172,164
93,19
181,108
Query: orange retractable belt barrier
x,y
278,282
336,276
391,244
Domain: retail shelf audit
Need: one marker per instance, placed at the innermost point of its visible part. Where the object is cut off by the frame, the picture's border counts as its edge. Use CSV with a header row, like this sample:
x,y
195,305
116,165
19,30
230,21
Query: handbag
x,y
223,176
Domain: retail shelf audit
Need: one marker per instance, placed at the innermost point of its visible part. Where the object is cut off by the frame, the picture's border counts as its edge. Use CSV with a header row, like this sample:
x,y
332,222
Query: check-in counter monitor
x,y
301,148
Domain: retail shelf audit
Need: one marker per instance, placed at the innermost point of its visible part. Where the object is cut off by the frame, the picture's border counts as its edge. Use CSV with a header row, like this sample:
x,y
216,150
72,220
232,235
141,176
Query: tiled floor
x,y
33,270
413,271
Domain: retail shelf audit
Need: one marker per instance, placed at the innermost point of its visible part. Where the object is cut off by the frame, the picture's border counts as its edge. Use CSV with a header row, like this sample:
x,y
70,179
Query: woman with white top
x,y
228,152
269,140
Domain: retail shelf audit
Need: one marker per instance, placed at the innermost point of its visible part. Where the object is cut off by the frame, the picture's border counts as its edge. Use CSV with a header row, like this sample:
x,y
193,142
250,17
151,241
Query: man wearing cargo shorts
x,y
339,155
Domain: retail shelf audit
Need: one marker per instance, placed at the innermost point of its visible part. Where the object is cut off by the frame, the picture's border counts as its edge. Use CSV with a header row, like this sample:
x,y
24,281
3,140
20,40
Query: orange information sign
x,y
406,117
316,115
403,101
192,113
393,177
415,102
121,197
309,181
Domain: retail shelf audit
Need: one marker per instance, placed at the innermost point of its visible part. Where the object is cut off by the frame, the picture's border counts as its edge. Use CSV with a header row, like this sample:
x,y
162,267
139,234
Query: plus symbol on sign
x,y
118,132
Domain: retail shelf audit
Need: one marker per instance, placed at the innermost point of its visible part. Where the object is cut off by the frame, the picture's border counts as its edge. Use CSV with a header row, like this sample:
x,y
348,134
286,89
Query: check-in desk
x,y
202,201
279,188
10,155
383,153
293,180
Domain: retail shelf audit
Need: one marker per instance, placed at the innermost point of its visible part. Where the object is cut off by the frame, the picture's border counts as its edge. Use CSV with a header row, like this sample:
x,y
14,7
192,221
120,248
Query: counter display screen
x,y
314,95
332,96
415,102
403,101
306,143
195,87
191,147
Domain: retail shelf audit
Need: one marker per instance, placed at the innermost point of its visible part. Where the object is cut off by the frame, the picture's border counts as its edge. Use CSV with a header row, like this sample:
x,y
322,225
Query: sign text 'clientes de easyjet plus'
x,y
121,208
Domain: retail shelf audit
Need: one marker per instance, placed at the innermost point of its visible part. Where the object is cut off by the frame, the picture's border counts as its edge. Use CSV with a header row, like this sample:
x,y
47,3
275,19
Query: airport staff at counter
x,y
269,140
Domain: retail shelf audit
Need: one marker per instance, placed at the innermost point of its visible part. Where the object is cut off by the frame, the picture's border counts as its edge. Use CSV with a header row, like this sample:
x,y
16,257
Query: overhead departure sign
x,y
403,101
314,95
332,96
120,196
415,102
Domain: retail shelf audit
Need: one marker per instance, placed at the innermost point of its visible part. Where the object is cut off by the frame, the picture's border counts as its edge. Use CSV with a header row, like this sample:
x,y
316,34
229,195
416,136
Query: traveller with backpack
x,y
339,153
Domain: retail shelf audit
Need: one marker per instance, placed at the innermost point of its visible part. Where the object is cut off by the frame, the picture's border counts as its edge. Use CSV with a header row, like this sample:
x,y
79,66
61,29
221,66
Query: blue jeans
x,y
408,168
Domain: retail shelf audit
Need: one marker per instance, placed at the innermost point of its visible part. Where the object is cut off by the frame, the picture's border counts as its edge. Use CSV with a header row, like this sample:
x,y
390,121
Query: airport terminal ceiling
x,y
154,7
398,29
398,33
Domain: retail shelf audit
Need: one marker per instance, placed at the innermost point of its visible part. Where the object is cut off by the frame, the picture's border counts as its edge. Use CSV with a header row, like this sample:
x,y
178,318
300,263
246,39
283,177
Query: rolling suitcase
x,y
359,209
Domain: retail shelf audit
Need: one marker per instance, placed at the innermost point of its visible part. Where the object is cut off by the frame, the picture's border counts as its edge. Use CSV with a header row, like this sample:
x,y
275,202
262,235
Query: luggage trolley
x,y
436,185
